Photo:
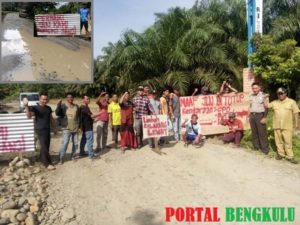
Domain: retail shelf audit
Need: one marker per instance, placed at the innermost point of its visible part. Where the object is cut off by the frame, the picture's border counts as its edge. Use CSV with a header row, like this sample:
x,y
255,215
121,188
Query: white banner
x,y
16,133
259,16
155,126
57,24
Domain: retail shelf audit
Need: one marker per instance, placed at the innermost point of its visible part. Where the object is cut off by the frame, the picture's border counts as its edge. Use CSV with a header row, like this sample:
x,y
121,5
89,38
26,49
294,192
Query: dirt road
x,y
29,58
135,188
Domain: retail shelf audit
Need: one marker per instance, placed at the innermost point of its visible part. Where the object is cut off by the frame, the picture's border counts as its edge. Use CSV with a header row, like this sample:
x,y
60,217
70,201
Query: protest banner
x,y
57,24
16,133
212,108
155,126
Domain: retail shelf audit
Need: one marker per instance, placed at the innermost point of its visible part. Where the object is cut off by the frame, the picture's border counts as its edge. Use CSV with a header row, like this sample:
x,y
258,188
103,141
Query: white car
x,y
33,99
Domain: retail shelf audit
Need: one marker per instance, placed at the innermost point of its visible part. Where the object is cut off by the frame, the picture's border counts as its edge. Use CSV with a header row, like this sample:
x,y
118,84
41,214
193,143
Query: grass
x,y
247,139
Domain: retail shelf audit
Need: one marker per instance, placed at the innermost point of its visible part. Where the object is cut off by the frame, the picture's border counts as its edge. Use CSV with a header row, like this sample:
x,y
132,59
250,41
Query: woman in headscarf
x,y
128,138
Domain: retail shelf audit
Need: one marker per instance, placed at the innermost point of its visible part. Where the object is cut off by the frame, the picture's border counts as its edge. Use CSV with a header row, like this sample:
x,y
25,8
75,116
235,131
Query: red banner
x,y
212,108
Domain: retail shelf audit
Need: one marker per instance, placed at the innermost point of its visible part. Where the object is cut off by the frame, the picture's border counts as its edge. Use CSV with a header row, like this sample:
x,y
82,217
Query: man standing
x,y
147,92
165,103
42,118
175,117
235,130
84,12
285,110
114,113
155,104
86,126
204,91
102,121
258,114
142,108
165,109
69,120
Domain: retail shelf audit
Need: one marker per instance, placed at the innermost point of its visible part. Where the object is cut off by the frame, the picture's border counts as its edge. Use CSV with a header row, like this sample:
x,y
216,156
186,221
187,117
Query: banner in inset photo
x,y
46,42
155,126
212,108
57,24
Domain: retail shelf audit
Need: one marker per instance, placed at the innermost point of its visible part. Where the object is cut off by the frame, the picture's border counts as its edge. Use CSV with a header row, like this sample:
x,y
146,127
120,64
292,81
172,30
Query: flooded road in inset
x,y
29,58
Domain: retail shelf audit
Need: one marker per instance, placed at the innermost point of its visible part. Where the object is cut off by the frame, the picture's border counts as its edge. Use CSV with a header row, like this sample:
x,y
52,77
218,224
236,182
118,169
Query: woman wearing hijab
x,y
128,138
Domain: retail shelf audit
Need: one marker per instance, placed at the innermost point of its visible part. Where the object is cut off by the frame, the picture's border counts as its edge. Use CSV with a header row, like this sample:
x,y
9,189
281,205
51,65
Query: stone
x,y
4,221
27,172
21,182
26,207
2,188
34,209
36,170
15,176
67,215
50,209
21,217
73,223
20,171
20,164
14,161
26,161
10,213
30,220
9,205
8,178
22,210
32,201
21,201
16,194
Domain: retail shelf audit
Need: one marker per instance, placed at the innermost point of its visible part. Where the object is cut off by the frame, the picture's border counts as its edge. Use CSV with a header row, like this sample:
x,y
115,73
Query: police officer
x,y
258,114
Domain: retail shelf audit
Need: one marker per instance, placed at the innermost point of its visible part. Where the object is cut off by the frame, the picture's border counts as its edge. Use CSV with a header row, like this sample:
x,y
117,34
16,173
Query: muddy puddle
x,y
42,59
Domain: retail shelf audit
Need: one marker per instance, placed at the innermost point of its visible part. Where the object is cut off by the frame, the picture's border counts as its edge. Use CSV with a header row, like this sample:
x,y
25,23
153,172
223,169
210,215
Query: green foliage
x,y
277,63
34,8
71,7
184,48
247,139
10,6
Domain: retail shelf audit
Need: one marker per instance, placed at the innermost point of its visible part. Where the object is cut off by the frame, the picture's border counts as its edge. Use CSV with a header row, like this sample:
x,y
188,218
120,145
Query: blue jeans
x,y
88,139
67,134
176,128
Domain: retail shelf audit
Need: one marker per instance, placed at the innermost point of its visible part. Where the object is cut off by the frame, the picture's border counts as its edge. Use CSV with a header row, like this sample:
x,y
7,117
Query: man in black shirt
x,y
86,126
43,117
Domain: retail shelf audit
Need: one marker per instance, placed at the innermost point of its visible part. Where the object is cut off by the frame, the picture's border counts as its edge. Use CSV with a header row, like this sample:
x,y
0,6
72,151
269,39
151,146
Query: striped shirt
x,y
142,106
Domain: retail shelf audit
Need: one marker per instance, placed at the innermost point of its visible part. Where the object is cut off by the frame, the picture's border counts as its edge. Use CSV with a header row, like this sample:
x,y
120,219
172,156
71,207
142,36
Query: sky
x,y
112,18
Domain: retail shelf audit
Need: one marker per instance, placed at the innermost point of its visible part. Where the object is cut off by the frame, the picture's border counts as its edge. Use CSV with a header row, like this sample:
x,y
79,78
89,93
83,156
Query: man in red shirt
x,y
235,129
102,121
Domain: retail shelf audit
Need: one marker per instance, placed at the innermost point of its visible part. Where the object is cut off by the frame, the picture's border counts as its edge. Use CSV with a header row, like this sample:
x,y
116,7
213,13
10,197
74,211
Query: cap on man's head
x,y
281,90
140,88
231,115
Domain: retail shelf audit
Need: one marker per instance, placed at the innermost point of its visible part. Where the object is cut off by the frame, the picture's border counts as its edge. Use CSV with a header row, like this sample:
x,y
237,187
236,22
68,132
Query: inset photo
x,y
46,42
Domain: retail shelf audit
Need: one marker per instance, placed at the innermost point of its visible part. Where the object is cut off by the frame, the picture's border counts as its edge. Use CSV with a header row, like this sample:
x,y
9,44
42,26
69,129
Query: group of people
x,y
124,116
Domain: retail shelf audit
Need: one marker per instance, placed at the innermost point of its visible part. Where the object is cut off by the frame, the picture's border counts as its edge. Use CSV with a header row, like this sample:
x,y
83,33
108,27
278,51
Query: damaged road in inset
x,y
28,58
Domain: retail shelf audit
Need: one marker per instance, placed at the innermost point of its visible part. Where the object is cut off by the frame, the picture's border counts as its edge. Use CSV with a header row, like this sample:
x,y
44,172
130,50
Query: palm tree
x,y
203,45
288,26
